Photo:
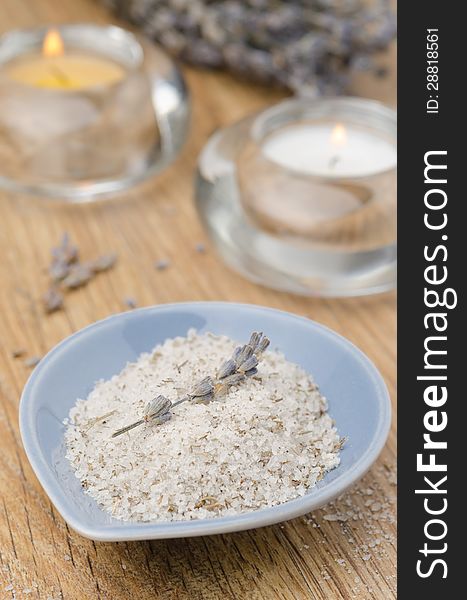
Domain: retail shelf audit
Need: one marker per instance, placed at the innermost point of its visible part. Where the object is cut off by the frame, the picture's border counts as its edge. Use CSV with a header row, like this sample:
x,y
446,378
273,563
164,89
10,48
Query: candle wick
x,y
333,161
59,75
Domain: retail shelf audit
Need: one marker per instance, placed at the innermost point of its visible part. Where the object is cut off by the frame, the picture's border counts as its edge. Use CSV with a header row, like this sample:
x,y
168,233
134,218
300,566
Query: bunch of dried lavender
x,y
68,273
308,46
233,371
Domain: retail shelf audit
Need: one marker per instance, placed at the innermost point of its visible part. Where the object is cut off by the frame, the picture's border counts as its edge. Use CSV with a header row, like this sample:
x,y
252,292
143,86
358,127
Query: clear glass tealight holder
x,y
302,197
85,123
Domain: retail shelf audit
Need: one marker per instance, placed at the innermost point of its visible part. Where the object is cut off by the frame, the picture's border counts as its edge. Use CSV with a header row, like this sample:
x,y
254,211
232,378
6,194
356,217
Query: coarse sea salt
x,y
267,441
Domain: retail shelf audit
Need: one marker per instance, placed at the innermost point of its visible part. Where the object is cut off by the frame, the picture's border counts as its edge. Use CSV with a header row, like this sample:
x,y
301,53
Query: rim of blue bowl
x,y
128,530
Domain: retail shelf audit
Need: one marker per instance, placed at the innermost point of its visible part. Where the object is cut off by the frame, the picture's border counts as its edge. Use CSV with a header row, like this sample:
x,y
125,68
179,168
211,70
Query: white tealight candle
x,y
330,150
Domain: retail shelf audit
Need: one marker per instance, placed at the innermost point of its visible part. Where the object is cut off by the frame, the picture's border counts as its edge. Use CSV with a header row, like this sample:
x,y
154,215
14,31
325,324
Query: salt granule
x,y
268,440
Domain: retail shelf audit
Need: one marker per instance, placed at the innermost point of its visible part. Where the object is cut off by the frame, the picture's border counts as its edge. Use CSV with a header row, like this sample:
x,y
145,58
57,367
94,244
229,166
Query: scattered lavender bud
x,y
53,300
66,269
200,248
162,264
32,361
66,252
103,263
130,302
58,270
78,276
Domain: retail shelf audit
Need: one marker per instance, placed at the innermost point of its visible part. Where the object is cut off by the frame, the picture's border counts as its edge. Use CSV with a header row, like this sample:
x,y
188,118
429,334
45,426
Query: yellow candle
x,y
58,69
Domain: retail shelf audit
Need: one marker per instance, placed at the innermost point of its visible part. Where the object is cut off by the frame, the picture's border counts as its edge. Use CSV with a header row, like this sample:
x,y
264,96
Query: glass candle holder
x,y
302,197
93,117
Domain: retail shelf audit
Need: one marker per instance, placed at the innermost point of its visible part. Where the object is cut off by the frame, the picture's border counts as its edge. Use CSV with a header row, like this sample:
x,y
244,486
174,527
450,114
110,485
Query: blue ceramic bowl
x,y
358,401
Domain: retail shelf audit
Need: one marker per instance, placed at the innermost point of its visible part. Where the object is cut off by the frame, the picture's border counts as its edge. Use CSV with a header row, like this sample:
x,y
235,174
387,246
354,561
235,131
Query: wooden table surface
x,y
343,551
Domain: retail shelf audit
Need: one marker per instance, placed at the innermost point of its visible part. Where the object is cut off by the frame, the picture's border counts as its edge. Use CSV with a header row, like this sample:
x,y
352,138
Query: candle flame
x,y
53,44
339,135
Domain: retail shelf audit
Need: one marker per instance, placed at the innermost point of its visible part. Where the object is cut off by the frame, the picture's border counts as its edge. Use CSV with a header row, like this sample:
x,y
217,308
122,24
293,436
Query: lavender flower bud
x,y
206,399
251,372
157,406
58,270
255,339
249,364
53,300
203,388
163,418
103,263
237,352
245,354
264,344
229,367
234,379
78,276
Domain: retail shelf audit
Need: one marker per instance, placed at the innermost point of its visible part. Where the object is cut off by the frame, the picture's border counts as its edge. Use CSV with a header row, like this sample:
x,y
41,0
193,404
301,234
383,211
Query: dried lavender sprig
x,y
308,46
128,427
232,372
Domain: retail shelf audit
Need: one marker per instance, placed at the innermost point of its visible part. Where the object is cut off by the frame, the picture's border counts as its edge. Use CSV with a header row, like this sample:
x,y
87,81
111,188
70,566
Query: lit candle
x,y
60,69
77,115
330,150
302,196
318,177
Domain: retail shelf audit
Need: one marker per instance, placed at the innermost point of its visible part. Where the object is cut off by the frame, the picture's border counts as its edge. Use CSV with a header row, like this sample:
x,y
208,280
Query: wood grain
x,y
307,558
